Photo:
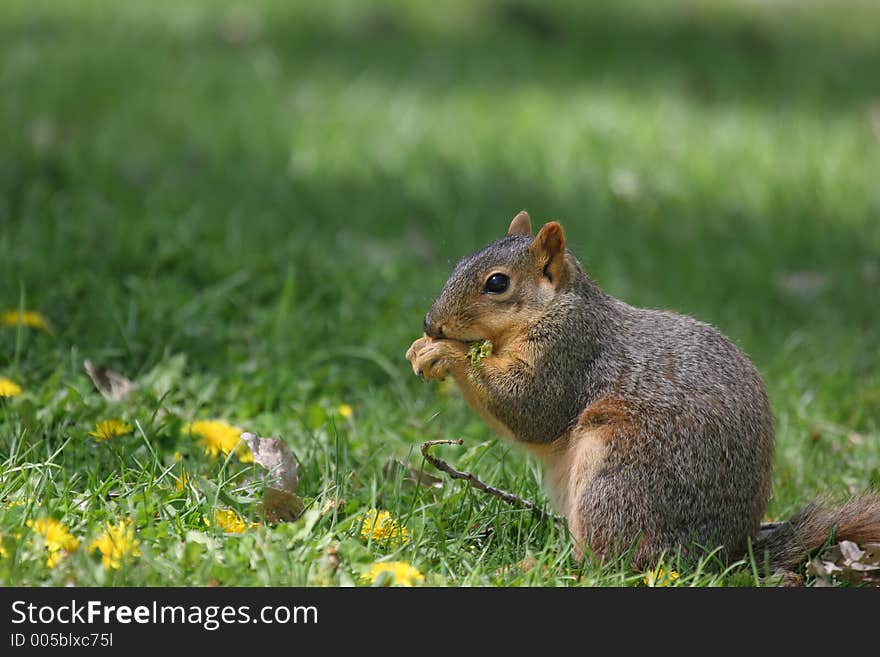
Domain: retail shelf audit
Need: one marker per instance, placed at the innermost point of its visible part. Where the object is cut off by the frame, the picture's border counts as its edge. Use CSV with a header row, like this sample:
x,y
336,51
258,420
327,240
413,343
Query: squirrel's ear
x,y
521,224
548,249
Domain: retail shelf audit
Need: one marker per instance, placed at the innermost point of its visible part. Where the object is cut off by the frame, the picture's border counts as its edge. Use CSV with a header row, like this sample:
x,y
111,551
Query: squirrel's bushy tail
x,y
792,542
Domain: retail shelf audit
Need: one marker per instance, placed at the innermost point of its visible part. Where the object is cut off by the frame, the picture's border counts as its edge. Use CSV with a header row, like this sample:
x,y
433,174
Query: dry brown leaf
x,y
849,563
850,551
280,501
872,553
112,385
280,505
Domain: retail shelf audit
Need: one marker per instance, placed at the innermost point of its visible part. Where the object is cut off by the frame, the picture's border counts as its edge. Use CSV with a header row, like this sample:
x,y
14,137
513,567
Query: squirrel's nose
x,y
432,329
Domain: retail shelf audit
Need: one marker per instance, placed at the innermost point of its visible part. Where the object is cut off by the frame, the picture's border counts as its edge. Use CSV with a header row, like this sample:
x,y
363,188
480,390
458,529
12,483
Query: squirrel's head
x,y
499,290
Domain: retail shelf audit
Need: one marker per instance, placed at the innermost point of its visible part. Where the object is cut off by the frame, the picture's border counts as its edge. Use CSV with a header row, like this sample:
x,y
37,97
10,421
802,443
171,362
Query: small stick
x,y
503,495
514,500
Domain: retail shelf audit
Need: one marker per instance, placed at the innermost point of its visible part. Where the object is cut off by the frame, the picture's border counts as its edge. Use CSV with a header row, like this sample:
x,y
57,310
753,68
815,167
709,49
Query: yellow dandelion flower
x,y
182,481
116,544
29,318
55,557
3,552
399,573
58,540
659,577
378,525
345,411
9,388
230,522
109,429
219,437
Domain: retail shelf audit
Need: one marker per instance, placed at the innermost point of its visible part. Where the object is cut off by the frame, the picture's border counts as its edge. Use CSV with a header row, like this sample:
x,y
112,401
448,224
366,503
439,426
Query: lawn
x,y
246,209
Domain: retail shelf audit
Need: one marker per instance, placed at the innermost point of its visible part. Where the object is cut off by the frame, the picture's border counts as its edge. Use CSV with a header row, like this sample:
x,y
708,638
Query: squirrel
x,y
655,432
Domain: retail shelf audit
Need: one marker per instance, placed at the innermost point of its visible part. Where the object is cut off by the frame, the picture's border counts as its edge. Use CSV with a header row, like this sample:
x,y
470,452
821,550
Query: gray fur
x,y
698,464
690,432
695,465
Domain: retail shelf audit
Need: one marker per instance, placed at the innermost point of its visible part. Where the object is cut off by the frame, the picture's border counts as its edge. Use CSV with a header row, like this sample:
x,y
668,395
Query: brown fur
x,y
857,520
655,431
548,250
521,224
607,411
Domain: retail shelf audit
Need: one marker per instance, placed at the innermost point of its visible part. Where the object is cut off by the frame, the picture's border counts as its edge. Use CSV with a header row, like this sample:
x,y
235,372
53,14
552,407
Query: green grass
x,y
248,212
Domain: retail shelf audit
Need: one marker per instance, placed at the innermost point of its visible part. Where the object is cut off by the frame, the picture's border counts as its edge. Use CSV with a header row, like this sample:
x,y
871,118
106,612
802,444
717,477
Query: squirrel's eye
x,y
497,283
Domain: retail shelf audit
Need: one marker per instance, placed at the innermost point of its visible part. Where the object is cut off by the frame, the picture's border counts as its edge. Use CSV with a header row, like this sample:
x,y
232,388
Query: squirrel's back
x,y
690,439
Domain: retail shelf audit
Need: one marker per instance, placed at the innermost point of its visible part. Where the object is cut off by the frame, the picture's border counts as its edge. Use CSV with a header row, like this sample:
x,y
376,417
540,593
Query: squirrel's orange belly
x,y
570,462
476,401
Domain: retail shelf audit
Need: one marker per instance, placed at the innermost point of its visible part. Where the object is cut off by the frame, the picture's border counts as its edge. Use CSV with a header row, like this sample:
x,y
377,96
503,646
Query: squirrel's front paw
x,y
431,359
414,350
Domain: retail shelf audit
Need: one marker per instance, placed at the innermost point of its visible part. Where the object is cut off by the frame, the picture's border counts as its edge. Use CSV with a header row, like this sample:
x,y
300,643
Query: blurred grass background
x,y
277,190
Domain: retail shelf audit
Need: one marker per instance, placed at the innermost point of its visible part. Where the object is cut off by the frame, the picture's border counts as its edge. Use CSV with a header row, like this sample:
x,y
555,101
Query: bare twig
x,y
503,495
766,529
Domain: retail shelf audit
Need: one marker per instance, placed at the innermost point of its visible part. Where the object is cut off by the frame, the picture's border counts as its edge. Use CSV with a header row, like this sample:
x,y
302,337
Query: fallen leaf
x,y
274,455
112,385
280,505
872,553
862,567
280,501
850,551
847,563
